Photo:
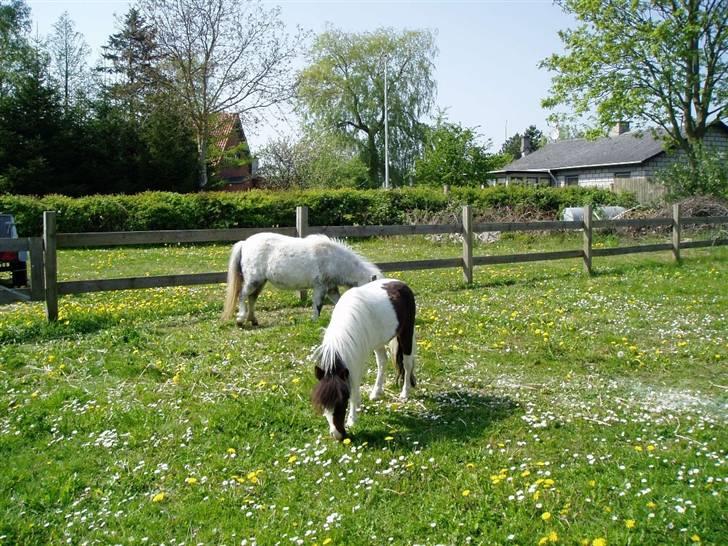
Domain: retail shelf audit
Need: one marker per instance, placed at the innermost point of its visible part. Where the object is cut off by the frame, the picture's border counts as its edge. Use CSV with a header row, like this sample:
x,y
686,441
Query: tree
x,y
14,47
452,155
130,56
69,52
512,146
313,161
342,92
663,62
222,55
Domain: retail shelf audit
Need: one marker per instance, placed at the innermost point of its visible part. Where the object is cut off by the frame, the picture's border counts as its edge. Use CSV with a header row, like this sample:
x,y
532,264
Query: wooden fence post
x,y
302,231
588,239
468,244
676,231
37,282
51,264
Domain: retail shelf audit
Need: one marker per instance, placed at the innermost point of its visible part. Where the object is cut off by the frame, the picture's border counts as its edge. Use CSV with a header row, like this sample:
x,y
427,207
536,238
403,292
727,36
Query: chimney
x,y
525,145
619,128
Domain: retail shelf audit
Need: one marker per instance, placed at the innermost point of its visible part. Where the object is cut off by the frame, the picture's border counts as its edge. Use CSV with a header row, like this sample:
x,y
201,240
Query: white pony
x,y
364,320
291,263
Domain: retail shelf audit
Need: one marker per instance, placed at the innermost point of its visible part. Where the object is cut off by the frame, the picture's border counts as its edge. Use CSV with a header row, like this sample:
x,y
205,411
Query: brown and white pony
x,y
365,319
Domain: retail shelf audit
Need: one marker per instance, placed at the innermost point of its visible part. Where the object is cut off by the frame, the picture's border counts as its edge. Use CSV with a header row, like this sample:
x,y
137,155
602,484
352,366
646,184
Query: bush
x,y
259,208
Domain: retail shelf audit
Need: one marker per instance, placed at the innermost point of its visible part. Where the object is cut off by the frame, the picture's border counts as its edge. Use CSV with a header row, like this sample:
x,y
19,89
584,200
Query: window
x,y
571,180
623,174
532,180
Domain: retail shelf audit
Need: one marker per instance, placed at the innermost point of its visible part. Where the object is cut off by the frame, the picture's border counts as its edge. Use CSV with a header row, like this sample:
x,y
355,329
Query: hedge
x,y
259,208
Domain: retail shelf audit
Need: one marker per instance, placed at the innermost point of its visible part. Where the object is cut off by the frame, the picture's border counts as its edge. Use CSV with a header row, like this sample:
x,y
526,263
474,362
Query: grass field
x,y
552,408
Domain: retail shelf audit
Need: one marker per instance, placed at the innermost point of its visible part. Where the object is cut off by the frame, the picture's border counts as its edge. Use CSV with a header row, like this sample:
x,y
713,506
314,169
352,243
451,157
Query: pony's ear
x,y
319,373
342,372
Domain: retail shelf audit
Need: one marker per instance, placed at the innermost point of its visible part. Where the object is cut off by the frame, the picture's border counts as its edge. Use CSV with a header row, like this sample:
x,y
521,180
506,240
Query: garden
x,y
552,407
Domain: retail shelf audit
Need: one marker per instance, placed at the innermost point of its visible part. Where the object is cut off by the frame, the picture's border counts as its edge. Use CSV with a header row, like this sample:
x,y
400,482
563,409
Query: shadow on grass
x,y
453,415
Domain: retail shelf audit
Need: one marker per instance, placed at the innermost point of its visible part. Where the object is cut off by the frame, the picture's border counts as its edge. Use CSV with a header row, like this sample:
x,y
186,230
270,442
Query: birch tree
x,y
222,55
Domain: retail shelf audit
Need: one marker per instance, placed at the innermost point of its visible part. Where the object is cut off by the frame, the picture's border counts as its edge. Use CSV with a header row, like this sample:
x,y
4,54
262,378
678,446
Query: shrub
x,y
261,208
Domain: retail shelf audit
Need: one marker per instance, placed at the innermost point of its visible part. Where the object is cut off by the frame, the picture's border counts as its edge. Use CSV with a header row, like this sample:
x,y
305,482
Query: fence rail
x,y
44,273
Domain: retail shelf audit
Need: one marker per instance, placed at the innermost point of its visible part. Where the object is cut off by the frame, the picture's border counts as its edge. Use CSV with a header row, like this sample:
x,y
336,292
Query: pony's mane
x,y
318,238
348,334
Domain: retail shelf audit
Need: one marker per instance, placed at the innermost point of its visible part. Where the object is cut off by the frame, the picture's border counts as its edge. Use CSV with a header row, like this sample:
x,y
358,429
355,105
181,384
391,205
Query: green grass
x,y
552,407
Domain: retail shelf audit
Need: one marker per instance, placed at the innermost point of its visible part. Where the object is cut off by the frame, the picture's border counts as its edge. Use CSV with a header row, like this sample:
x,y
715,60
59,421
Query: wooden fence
x,y
44,269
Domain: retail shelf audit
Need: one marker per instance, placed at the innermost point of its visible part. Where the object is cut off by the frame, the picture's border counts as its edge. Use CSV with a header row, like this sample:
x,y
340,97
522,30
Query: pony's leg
x,y
354,403
250,292
333,294
378,389
408,362
318,300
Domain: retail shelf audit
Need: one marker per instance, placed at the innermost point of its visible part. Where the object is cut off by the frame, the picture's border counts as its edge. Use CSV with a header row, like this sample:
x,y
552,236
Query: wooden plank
x,y
14,295
302,231
37,269
635,222
587,239
676,229
121,238
415,265
14,245
528,257
526,226
133,283
703,244
468,244
707,220
617,251
51,264
384,231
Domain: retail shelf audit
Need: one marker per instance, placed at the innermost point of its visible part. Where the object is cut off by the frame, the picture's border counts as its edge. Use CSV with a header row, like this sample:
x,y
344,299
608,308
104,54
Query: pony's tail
x,y
234,281
397,354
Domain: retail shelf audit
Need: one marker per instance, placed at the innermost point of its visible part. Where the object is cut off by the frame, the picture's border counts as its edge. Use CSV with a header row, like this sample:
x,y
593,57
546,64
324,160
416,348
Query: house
x,y
230,156
623,161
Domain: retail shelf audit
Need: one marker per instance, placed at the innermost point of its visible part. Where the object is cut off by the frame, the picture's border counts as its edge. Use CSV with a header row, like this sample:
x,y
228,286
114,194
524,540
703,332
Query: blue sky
x,y
486,70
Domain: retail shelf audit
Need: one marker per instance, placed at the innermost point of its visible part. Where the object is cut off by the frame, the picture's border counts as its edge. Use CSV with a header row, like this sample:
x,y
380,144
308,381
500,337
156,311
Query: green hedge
x,y
161,210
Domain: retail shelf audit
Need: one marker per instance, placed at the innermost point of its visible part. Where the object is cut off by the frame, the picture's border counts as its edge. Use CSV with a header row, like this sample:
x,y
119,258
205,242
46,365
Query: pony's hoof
x,y
336,435
376,394
403,396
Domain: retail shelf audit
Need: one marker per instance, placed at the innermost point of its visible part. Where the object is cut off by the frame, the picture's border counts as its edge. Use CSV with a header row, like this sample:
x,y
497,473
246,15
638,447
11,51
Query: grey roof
x,y
628,148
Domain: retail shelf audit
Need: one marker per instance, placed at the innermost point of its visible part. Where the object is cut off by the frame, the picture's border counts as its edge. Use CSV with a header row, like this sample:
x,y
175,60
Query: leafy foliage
x,y
512,146
658,62
259,208
452,155
342,92
708,177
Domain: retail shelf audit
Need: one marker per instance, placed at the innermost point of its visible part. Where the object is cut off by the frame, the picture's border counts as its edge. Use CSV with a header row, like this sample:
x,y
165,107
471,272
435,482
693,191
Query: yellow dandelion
x,y
470,466
231,451
630,523
346,441
599,542
327,541
695,538
553,536
388,438
466,492
651,505
525,473
546,516
292,459
190,481
159,497
592,483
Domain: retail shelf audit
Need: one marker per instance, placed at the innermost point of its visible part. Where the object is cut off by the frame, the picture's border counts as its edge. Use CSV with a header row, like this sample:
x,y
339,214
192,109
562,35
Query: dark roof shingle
x,y
631,147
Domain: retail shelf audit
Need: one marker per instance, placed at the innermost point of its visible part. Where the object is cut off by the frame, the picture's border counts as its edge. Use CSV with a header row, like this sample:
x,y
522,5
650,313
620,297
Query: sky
x,y
486,70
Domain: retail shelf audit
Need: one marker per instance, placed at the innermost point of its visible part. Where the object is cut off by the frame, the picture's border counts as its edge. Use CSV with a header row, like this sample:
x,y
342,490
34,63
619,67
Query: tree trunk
x,y
372,160
201,163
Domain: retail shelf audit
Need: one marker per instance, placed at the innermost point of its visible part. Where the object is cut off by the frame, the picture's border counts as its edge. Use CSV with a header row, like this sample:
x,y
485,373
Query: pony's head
x,y
369,273
331,396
